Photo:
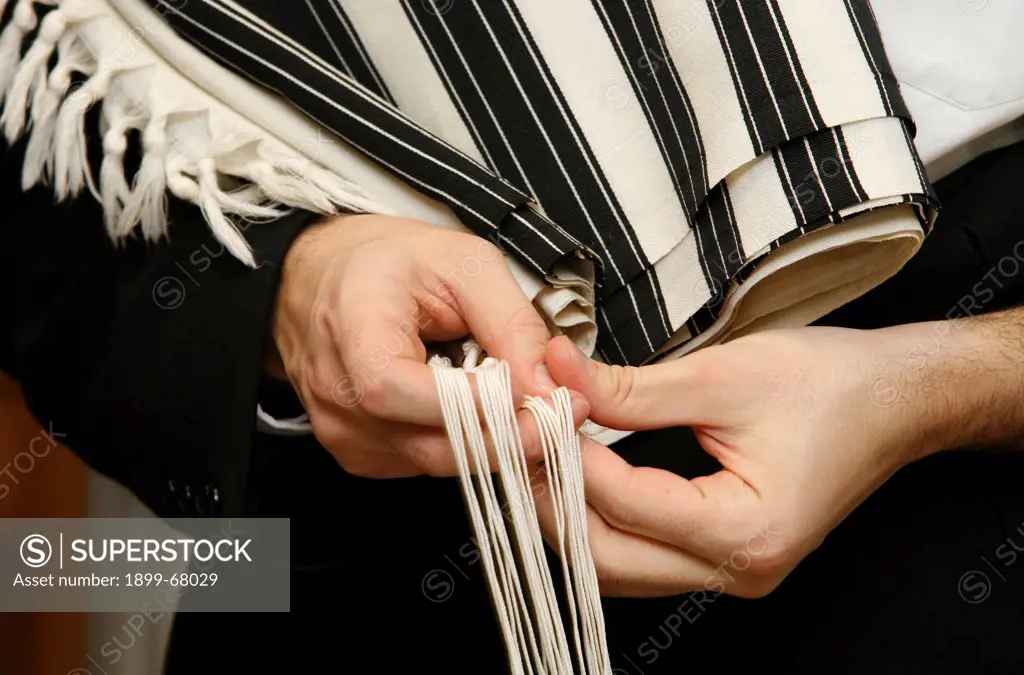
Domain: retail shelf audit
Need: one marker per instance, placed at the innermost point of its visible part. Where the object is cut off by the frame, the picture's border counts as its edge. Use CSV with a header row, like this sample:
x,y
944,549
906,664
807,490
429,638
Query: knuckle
x,y
618,514
354,467
375,399
707,367
526,319
623,380
428,459
344,444
328,436
486,250
773,562
756,586
319,382
771,558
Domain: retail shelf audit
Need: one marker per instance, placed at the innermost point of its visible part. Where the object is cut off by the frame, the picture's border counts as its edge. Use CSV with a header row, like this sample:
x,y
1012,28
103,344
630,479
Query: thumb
x,y
629,398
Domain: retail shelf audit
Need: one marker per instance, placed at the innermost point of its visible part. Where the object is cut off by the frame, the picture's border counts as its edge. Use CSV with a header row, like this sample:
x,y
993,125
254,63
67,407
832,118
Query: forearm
x,y
955,383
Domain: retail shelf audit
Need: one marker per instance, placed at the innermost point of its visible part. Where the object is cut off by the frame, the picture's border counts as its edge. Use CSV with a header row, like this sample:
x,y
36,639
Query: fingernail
x,y
544,379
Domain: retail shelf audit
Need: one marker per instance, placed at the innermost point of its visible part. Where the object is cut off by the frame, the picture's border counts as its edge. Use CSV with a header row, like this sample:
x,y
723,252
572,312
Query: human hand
x,y
360,298
790,417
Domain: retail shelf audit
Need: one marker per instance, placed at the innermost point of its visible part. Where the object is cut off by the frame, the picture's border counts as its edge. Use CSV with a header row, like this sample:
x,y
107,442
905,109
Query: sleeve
x,y
148,355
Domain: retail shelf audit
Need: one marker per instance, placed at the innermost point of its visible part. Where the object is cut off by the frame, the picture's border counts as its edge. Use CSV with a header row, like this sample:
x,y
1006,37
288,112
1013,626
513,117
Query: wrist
x,y
295,292
946,384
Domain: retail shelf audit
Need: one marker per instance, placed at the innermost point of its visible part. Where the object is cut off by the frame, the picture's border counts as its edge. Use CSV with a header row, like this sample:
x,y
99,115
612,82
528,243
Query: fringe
x,y
246,175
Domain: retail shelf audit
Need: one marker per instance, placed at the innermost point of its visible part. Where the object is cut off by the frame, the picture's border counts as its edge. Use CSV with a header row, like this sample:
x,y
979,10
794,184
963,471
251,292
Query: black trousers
x,y
927,576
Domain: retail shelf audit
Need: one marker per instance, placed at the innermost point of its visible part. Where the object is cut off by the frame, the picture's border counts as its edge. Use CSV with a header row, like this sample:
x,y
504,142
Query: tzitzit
x,y
520,582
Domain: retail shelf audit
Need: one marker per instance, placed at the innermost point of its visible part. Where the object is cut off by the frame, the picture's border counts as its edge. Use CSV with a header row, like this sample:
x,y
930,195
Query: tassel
x,y
284,188
71,163
22,23
223,229
180,154
31,73
342,193
147,202
514,561
39,153
313,183
113,184
246,202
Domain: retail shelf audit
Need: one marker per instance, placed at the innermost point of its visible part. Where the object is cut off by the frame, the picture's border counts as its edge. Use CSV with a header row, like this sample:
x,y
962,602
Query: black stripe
x,y
608,344
706,250
789,185
352,49
809,195
666,110
790,55
686,116
428,164
620,311
738,256
930,197
429,25
704,317
830,171
918,166
745,105
848,164
621,240
868,56
329,49
783,97
712,248
758,92
526,131
869,25
863,20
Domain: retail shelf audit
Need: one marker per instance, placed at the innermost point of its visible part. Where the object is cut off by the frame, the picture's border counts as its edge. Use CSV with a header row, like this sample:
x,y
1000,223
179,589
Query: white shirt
x,y
960,64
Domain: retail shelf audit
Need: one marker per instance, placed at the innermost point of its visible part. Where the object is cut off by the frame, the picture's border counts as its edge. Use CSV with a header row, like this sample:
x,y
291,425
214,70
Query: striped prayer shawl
x,y
692,149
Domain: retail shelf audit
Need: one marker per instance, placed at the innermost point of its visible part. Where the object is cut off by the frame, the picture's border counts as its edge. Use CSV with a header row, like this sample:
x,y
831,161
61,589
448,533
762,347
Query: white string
x,y
565,481
515,563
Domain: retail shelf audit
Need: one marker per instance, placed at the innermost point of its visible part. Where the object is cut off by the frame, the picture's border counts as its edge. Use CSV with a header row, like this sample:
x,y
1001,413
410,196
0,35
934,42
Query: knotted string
x,y
515,565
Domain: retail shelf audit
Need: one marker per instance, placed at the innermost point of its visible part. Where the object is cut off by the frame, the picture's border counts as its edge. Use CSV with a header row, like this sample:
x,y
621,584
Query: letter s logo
x,y
36,550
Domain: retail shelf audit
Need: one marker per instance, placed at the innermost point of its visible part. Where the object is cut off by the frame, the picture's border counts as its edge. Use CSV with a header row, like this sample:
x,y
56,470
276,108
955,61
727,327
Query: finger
x,y
439,321
706,517
430,450
358,450
502,318
383,355
650,397
627,564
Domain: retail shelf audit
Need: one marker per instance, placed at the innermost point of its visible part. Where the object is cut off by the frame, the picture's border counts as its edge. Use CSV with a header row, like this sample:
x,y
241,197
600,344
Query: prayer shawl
x,y
662,174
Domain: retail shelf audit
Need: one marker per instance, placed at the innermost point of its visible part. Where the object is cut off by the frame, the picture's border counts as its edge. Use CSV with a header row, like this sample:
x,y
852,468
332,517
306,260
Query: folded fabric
x,y
685,147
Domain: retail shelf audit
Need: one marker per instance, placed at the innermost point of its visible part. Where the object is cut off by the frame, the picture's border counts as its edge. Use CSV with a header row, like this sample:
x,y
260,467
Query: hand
x,y
791,418
360,299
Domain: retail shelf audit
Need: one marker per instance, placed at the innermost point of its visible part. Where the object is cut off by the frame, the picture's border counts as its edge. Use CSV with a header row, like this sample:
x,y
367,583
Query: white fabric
x,y
960,64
